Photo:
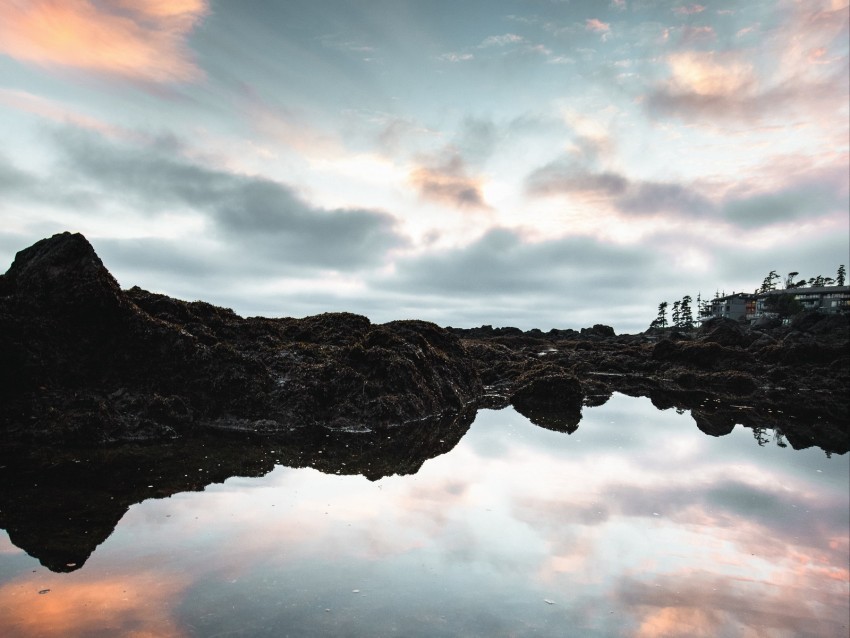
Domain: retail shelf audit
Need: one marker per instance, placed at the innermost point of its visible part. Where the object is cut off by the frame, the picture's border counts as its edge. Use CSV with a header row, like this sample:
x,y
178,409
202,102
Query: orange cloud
x,y
447,182
710,74
139,39
137,605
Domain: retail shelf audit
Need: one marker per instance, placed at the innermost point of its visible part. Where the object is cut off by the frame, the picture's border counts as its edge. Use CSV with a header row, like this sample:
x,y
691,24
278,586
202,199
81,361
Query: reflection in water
x,y
636,524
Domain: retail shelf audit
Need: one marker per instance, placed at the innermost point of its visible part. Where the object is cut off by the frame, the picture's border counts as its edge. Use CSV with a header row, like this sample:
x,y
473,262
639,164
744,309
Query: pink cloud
x,y
57,112
142,39
597,26
691,35
689,10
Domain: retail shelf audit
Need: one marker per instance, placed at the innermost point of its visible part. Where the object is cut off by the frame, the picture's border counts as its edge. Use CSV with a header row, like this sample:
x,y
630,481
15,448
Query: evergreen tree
x,y
789,280
661,320
686,316
769,282
840,276
676,314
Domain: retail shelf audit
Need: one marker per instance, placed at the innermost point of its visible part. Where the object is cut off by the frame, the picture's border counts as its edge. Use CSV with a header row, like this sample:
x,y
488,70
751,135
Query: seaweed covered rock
x,y
84,361
549,399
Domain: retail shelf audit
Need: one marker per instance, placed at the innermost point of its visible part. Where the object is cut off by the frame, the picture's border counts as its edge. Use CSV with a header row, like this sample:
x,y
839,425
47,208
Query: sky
x,y
530,163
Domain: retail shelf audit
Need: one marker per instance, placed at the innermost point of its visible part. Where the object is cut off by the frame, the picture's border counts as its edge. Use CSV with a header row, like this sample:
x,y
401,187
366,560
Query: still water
x,y
636,525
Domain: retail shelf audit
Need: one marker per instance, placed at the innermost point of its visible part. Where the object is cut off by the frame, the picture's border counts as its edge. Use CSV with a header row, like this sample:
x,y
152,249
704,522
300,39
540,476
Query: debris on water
x,y
548,602
43,591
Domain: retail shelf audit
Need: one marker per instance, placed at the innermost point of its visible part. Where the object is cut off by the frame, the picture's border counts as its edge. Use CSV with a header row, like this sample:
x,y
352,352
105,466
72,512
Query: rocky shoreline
x,y
84,362
108,396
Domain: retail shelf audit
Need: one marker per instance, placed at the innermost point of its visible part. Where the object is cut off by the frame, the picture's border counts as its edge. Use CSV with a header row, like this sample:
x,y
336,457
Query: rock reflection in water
x,y
636,524
59,505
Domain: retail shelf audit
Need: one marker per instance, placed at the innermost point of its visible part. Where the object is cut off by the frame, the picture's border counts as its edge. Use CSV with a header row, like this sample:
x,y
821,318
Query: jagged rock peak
x,y
62,271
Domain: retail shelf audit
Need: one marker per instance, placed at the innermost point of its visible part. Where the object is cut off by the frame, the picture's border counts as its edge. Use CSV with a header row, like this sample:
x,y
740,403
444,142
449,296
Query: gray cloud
x,y
478,138
566,176
12,179
250,211
820,194
502,263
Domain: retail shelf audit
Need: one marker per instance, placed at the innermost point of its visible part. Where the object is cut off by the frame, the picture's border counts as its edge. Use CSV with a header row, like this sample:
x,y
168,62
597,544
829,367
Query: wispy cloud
x,y
691,9
501,40
804,74
138,39
456,57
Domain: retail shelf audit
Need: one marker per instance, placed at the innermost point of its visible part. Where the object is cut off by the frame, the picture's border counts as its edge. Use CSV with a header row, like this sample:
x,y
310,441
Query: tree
x,y
769,282
840,276
789,280
816,282
676,314
686,316
784,305
661,320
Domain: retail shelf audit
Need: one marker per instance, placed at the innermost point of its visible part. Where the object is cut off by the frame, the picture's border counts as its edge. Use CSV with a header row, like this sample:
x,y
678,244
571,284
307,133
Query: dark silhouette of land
x,y
107,395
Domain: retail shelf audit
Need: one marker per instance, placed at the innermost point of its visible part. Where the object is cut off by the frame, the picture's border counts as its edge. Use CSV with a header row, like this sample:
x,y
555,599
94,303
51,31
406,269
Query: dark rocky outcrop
x,y
84,361
106,392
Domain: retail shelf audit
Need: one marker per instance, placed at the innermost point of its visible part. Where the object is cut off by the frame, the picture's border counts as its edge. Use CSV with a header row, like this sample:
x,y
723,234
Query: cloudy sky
x,y
536,163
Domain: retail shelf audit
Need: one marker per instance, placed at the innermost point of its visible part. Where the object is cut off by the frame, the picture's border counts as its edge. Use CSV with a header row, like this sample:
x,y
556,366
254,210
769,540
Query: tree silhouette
x,y
769,282
840,276
661,320
685,315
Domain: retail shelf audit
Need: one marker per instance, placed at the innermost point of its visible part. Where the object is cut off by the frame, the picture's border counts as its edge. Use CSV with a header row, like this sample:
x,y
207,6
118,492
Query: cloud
x,y
689,10
503,263
445,180
456,57
710,74
597,26
254,212
501,40
54,110
807,197
13,180
138,39
477,138
800,69
568,177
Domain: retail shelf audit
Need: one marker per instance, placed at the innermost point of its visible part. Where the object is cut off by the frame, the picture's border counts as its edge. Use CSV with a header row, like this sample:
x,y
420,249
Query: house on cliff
x,y
826,299
738,306
762,305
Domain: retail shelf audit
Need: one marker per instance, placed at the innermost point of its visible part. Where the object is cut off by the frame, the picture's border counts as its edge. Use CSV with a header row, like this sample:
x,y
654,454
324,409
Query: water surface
x,y
637,525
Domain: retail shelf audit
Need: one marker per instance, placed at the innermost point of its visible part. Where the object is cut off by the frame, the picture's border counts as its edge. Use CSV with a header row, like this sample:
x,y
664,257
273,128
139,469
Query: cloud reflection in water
x,y
635,525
